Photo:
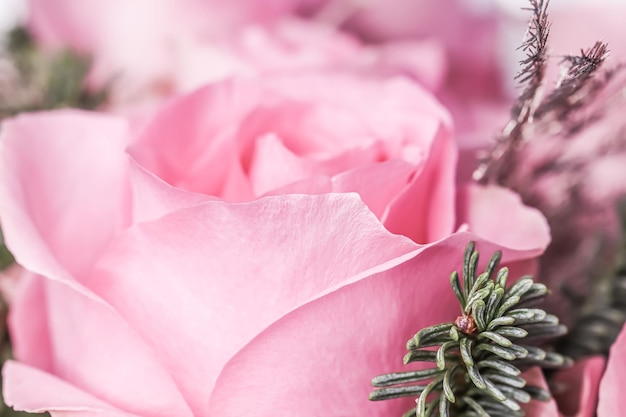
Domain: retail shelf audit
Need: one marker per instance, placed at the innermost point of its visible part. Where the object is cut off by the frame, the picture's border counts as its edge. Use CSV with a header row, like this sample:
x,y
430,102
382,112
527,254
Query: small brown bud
x,y
466,324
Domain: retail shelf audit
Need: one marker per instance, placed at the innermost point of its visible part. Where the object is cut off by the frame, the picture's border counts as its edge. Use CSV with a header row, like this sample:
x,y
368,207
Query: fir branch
x,y
600,95
597,329
479,357
531,75
570,92
533,66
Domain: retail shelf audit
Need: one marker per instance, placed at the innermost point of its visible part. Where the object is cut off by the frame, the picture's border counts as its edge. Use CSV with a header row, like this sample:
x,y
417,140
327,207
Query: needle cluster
x,y
478,359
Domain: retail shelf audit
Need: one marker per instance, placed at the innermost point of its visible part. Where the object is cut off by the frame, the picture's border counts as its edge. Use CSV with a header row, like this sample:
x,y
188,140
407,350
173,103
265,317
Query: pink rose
x,y
193,275
390,141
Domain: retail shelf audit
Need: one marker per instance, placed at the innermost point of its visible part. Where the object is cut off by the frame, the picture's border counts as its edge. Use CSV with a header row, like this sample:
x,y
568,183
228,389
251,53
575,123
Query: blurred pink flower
x,y
150,51
146,52
193,275
467,31
614,379
475,87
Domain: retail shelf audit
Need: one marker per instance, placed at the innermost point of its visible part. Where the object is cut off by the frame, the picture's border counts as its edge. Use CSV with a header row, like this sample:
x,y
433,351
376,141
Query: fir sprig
x,y
533,66
571,89
479,356
494,166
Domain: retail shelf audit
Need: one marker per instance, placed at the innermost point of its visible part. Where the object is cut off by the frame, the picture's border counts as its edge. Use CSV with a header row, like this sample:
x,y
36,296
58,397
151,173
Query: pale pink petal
x,y
274,165
153,197
353,170
89,346
577,387
64,189
274,254
319,359
499,215
614,380
403,114
311,122
305,110
425,210
32,390
28,324
190,142
377,184
312,185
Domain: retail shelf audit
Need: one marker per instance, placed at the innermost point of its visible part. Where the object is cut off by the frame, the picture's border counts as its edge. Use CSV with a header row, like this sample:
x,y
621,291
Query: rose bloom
x,y
251,249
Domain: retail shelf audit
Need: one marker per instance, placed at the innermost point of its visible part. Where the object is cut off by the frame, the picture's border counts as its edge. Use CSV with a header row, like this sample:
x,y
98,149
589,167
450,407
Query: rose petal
x,y
352,171
319,359
266,174
89,346
29,389
499,215
53,206
425,210
274,254
27,321
207,160
154,198
377,184
579,385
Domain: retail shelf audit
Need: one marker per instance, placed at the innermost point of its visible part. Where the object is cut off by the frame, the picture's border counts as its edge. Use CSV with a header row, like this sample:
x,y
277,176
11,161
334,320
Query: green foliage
x,y
6,258
479,358
604,309
44,80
